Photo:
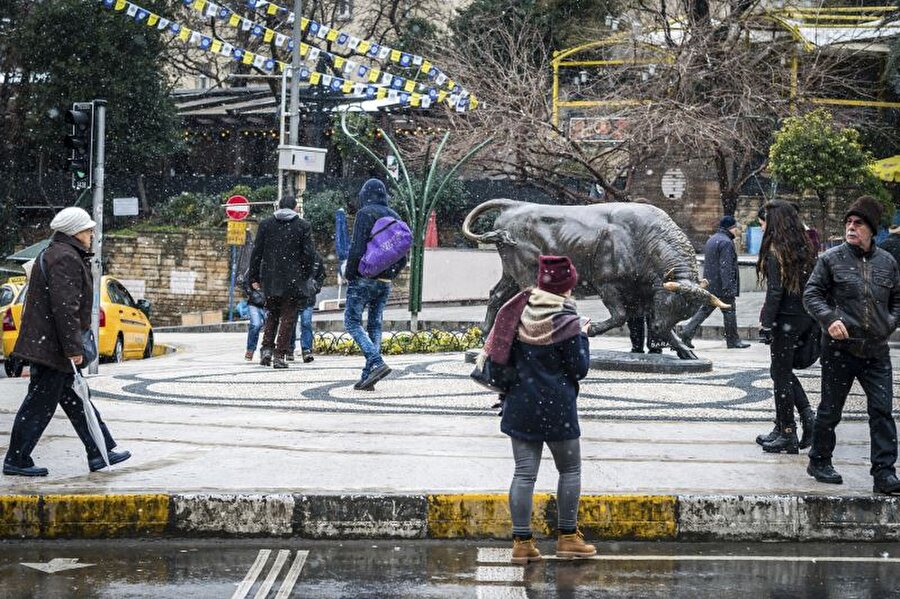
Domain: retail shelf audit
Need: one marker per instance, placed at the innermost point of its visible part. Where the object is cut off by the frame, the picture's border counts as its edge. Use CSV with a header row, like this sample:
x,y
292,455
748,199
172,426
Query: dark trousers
x,y
636,328
729,317
839,368
281,320
47,388
789,393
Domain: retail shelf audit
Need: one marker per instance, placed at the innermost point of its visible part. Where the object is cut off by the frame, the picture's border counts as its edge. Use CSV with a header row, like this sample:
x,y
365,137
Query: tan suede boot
x,y
524,551
573,546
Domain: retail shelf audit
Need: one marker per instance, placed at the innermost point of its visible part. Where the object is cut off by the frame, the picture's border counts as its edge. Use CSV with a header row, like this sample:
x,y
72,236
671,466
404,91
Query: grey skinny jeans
x,y
567,456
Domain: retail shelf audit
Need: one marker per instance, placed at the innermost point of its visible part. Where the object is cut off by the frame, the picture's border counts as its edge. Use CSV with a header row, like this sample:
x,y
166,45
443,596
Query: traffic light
x,y
80,141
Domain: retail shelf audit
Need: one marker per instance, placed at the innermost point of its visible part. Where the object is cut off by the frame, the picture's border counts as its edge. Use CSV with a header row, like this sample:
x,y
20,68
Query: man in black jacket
x,y
57,311
364,294
854,293
892,243
720,268
281,264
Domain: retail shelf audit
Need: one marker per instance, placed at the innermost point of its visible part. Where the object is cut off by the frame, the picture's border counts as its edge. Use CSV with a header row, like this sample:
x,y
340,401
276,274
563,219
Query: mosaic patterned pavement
x,y
439,384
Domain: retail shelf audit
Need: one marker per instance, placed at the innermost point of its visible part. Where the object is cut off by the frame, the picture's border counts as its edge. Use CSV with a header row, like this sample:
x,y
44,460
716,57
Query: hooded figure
x,y
373,201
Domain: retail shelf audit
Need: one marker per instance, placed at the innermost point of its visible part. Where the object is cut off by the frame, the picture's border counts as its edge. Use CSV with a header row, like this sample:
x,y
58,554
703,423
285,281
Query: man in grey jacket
x,y
854,293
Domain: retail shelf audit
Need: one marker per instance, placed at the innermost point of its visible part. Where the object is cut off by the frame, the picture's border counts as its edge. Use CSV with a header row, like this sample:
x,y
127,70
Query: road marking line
x,y
57,564
499,574
494,555
287,585
250,579
486,592
274,571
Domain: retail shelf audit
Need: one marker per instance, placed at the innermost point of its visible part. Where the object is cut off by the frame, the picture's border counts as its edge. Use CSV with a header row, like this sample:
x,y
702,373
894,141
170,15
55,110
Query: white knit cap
x,y
71,221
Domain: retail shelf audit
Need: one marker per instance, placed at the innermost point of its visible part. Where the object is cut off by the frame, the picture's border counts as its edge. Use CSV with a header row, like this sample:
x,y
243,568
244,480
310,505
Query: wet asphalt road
x,y
373,569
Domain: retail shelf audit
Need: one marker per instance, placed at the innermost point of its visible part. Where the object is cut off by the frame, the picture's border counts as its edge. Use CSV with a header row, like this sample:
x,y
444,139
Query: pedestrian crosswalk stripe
x,y
499,574
250,579
494,555
287,585
494,592
274,571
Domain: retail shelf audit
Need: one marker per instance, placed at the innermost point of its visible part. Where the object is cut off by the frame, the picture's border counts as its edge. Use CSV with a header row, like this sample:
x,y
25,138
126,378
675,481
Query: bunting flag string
x,y
358,46
369,90
312,53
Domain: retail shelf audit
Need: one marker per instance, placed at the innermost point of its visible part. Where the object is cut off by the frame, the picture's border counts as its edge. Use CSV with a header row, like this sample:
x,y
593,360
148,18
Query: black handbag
x,y
256,297
808,348
495,377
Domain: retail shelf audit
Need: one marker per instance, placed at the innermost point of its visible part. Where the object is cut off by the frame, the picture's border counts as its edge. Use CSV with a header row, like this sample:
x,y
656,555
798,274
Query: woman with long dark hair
x,y
786,260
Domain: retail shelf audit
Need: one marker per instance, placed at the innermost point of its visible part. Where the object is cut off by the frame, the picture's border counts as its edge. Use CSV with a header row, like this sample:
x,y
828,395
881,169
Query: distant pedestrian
x,y
639,330
280,265
854,293
369,294
720,269
786,259
304,329
891,244
540,333
256,312
57,312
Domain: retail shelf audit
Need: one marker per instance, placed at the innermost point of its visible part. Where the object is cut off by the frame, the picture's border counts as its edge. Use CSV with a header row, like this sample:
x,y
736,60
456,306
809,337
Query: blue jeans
x,y
304,329
257,321
371,295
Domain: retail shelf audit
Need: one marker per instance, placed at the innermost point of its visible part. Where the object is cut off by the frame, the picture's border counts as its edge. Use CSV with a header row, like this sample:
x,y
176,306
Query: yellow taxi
x,y
125,329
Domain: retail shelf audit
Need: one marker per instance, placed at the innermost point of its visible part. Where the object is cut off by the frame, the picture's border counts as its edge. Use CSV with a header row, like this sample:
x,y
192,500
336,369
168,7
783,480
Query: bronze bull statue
x,y
632,255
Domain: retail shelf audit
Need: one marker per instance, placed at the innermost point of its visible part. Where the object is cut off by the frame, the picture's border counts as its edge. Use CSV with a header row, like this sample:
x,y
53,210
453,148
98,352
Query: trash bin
x,y
754,239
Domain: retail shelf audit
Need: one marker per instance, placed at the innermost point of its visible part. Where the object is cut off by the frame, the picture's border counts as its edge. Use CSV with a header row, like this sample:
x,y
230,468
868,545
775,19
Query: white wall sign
x,y
673,184
181,282
136,287
125,207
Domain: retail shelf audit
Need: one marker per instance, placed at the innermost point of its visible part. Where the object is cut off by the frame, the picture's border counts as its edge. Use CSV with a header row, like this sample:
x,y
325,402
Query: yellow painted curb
x,y
20,516
101,516
479,515
646,517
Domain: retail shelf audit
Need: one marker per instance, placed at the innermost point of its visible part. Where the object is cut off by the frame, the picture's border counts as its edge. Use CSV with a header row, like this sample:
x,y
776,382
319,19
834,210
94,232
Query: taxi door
x,y
131,321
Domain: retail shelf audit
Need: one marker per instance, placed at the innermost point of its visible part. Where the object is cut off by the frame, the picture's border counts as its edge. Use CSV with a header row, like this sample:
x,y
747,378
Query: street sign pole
x,y
295,185
237,208
231,286
97,245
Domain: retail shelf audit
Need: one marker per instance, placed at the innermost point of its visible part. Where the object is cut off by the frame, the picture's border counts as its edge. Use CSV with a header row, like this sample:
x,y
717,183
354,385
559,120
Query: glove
x,y
765,336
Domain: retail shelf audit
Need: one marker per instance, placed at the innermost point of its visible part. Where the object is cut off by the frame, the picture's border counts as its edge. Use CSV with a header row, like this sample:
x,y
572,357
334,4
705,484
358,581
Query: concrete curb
x,y
449,516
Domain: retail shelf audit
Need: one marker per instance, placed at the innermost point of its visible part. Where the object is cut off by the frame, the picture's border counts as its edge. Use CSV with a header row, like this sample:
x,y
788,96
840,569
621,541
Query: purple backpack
x,y
389,242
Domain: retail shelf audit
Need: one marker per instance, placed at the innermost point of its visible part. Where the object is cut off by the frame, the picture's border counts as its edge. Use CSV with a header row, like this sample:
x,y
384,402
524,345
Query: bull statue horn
x,y
718,303
704,283
672,286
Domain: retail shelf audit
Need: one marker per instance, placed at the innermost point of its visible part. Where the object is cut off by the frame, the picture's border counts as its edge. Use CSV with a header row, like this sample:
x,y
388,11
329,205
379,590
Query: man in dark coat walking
x,y
57,311
281,265
892,244
365,294
854,293
720,268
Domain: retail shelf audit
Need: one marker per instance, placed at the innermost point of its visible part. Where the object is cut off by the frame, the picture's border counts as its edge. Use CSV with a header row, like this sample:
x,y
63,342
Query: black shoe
x,y
358,386
887,485
738,345
307,358
378,373
114,458
808,420
265,357
824,473
784,442
23,470
688,342
763,439
279,362
289,357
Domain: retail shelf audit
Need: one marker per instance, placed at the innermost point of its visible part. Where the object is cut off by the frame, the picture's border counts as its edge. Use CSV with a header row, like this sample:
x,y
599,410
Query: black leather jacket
x,y
861,289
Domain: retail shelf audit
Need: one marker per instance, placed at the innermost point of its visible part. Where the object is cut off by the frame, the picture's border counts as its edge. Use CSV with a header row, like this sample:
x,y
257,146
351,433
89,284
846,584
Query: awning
x,y
29,253
887,169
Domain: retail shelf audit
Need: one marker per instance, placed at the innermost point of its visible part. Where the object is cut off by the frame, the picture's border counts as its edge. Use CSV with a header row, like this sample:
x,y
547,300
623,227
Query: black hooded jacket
x,y
373,202
283,256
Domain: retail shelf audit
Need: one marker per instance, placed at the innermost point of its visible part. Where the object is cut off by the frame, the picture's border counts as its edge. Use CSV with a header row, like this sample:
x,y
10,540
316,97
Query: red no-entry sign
x,y
237,208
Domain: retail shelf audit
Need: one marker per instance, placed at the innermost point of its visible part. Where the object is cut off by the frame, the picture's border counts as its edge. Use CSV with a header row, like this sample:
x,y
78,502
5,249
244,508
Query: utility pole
x,y
97,245
296,181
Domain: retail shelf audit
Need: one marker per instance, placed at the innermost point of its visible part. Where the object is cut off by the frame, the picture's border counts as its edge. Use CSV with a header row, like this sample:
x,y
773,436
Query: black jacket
x,y
778,299
372,208
316,280
720,266
892,246
57,305
861,289
283,256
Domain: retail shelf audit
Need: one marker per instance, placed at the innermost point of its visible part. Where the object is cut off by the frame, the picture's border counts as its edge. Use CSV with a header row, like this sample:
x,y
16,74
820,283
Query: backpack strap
x,y
374,233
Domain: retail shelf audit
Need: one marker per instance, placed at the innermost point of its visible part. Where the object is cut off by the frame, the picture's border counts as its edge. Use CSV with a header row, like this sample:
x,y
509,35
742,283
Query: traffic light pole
x,y
97,246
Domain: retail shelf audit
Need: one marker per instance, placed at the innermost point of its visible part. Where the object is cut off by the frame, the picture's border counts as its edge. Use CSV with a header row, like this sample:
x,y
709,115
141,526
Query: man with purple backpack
x,y
377,254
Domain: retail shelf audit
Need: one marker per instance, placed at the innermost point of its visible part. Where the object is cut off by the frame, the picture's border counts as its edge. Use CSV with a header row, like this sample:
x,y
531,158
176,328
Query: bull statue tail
x,y
499,236
698,290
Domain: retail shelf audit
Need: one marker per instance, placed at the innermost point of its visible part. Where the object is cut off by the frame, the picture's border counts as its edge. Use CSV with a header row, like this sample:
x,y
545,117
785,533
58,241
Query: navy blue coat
x,y
720,265
373,205
541,405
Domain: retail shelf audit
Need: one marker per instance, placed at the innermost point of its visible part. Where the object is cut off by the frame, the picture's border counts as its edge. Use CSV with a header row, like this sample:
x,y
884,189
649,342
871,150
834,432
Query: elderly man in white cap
x,y
57,311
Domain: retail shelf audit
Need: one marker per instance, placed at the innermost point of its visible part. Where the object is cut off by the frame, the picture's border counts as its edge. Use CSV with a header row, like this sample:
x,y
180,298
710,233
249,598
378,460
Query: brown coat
x,y
57,305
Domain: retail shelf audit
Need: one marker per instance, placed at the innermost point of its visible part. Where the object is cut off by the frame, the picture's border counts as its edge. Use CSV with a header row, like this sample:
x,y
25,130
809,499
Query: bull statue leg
x,y
618,314
501,293
683,351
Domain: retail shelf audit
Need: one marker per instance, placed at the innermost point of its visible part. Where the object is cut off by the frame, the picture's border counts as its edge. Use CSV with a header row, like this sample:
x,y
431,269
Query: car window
x,y
6,296
124,295
113,293
22,294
